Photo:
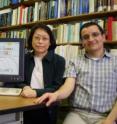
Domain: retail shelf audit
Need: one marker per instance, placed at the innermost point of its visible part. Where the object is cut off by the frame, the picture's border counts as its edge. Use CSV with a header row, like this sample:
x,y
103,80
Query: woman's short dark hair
x,y
88,24
46,29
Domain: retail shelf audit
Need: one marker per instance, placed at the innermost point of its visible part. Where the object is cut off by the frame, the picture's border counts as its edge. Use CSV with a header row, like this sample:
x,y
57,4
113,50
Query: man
x,y
91,80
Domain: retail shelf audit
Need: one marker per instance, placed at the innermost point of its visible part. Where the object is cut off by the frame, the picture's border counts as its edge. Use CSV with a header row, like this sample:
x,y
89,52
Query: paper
x,y
10,91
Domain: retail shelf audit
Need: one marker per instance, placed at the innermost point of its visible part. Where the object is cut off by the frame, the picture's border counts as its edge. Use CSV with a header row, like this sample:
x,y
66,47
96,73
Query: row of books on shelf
x,y
4,3
72,5
43,10
16,34
64,33
71,52
69,33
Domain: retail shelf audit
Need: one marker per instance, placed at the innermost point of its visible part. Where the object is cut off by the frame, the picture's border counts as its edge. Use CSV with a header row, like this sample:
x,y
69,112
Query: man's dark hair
x,y
88,24
46,29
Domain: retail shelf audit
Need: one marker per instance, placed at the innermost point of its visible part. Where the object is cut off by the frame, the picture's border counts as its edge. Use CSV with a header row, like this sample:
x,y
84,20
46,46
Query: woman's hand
x,y
28,92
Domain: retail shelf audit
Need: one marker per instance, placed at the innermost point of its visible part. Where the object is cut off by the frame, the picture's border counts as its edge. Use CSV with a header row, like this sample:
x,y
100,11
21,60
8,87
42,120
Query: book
x,y
109,27
113,52
114,30
14,1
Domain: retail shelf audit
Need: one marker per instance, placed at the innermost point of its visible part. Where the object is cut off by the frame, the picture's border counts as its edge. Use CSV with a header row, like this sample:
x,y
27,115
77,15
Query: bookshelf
x,y
69,19
85,16
66,19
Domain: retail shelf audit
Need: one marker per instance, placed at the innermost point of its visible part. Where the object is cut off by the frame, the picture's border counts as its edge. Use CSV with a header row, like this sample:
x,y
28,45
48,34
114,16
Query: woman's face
x,y
40,42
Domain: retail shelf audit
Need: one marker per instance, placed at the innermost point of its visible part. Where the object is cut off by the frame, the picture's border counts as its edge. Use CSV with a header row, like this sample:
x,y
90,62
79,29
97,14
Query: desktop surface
x,y
11,104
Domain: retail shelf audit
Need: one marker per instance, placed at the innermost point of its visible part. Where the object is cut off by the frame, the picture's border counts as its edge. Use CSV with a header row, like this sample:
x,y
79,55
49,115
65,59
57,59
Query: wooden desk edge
x,y
11,104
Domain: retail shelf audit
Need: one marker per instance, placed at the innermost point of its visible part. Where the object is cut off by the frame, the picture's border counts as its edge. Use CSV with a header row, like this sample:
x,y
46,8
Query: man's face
x,y
92,39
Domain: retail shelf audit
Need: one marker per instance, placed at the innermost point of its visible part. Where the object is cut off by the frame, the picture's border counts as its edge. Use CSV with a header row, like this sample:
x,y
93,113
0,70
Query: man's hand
x,y
47,98
108,121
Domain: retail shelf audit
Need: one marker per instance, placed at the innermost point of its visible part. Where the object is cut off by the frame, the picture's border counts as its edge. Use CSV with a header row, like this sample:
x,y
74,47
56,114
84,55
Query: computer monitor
x,y
11,59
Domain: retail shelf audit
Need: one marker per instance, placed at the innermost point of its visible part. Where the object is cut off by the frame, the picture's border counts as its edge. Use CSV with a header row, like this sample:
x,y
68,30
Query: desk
x,y
15,105
10,104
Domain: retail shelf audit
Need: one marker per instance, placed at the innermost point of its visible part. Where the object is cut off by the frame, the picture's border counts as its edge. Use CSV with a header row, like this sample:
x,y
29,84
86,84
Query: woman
x,y
43,73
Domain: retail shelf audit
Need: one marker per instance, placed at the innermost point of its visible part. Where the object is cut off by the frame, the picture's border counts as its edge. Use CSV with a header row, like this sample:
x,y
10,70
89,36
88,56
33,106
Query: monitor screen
x,y
11,60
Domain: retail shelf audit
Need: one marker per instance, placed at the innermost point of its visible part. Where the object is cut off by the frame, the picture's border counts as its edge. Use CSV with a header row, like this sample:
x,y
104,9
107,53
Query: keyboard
x,y
10,91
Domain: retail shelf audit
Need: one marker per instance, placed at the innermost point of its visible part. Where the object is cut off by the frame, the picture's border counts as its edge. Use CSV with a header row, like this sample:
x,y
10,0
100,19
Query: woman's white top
x,y
37,74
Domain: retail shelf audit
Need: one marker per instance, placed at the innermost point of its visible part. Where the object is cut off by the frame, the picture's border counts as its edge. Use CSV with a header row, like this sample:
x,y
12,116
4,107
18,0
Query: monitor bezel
x,y
20,76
